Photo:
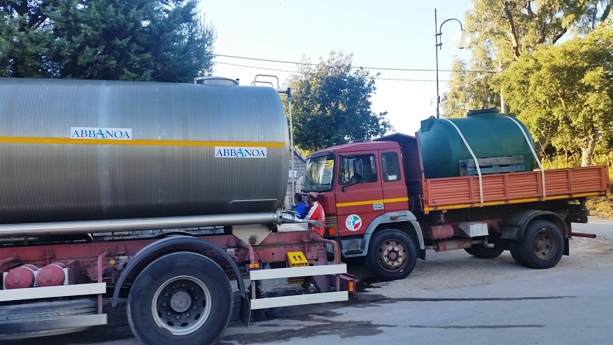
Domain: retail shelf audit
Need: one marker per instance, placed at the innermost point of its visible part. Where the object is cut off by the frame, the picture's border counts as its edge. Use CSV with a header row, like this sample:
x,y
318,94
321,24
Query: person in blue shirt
x,y
301,208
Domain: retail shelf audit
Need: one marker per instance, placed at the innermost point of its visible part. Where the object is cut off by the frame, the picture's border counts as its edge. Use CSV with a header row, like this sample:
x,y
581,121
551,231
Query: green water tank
x,y
488,133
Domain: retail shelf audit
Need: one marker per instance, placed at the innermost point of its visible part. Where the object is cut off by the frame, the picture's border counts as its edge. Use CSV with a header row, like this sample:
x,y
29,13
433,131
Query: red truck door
x,y
359,197
395,194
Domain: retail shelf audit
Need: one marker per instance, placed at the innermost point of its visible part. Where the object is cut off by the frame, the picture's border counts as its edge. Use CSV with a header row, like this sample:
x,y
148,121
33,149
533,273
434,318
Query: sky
x,y
397,34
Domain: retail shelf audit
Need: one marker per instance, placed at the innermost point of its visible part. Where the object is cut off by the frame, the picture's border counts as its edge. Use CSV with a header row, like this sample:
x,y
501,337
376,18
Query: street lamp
x,y
460,40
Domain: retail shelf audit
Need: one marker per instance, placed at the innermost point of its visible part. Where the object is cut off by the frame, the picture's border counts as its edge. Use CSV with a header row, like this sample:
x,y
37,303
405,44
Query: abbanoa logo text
x,y
100,133
239,152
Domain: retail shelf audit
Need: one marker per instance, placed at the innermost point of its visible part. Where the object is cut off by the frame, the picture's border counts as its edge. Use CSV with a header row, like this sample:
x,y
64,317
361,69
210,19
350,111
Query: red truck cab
x,y
368,184
362,187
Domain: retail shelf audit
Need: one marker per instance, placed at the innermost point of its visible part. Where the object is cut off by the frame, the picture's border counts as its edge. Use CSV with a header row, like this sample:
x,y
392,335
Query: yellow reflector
x,y
254,265
296,259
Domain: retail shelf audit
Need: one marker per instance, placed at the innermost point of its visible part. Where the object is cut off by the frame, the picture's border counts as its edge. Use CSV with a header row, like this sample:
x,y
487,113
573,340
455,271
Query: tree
x,y
24,39
331,104
505,30
105,39
565,92
469,90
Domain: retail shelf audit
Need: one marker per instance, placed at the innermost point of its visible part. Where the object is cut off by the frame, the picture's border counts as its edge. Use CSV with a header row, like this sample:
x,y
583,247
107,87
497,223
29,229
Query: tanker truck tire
x,y
391,254
180,298
542,246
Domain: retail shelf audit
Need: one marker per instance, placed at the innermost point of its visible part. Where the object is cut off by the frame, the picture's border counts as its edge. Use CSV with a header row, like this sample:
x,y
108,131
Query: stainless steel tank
x,y
93,150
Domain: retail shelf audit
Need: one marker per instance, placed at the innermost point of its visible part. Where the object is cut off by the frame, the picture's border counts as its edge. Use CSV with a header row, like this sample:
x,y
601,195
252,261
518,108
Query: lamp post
x,y
460,40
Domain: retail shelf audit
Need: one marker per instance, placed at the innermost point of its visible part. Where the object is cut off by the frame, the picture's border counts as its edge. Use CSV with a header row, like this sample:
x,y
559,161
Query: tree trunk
x,y
587,150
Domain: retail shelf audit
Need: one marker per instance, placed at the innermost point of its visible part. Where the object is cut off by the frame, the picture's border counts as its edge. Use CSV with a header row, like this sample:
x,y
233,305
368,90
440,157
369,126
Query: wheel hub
x,y
544,244
181,305
180,301
539,245
392,255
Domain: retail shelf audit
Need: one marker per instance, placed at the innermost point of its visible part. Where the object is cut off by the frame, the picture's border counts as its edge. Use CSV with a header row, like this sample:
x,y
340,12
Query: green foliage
x,y
469,90
24,39
505,30
104,39
600,206
508,29
331,104
565,92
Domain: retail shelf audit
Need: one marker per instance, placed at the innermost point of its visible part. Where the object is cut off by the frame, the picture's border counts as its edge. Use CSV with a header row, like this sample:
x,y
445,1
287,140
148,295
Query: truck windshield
x,y
318,174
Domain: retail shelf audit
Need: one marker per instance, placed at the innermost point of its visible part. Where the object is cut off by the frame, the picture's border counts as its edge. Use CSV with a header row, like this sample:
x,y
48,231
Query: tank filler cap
x,y
215,81
483,112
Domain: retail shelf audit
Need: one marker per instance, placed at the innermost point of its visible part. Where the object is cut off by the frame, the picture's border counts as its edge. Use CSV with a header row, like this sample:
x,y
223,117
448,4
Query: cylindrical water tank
x,y
90,150
488,133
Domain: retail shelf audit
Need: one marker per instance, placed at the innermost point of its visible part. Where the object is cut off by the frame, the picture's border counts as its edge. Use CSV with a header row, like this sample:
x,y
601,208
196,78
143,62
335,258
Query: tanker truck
x,y
166,194
473,183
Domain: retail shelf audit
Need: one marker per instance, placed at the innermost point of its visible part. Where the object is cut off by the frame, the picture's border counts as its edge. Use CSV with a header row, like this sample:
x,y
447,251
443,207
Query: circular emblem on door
x,y
353,222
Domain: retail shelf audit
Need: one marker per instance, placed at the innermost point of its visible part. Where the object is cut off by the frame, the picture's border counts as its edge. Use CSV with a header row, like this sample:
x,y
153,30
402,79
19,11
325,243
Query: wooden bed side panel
x,y
518,187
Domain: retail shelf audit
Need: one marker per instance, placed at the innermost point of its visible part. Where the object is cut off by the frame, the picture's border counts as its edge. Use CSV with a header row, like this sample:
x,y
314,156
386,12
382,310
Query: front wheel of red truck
x,y
391,254
180,298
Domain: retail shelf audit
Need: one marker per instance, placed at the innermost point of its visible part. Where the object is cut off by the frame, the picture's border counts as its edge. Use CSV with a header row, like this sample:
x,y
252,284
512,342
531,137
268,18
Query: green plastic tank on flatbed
x,y
443,149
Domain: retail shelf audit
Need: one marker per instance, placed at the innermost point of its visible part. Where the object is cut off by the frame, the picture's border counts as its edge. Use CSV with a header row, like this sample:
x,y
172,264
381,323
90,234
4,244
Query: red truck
x,y
458,184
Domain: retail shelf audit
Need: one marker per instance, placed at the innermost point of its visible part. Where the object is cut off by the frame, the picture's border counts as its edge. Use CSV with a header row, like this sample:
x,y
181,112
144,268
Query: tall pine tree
x,y
105,39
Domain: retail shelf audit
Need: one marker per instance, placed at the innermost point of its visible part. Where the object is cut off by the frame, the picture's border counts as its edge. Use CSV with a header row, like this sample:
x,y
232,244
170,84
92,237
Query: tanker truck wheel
x,y
541,247
391,254
180,298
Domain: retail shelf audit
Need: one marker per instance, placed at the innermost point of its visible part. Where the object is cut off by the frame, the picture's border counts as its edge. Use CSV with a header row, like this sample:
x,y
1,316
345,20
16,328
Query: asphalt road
x,y
451,298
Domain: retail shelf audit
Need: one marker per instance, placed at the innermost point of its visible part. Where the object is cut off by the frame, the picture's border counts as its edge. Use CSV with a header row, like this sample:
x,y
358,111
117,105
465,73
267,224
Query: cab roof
x,y
356,146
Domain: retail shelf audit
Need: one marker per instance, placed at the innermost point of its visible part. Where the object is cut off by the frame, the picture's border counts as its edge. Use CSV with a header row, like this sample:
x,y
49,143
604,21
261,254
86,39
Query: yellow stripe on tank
x,y
137,142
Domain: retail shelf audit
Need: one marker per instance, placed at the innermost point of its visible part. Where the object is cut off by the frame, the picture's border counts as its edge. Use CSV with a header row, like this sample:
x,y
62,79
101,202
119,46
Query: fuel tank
x,y
93,150
488,133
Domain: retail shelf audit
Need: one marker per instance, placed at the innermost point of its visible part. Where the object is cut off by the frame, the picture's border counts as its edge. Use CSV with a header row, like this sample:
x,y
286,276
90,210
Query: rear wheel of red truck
x,y
391,254
180,298
541,247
